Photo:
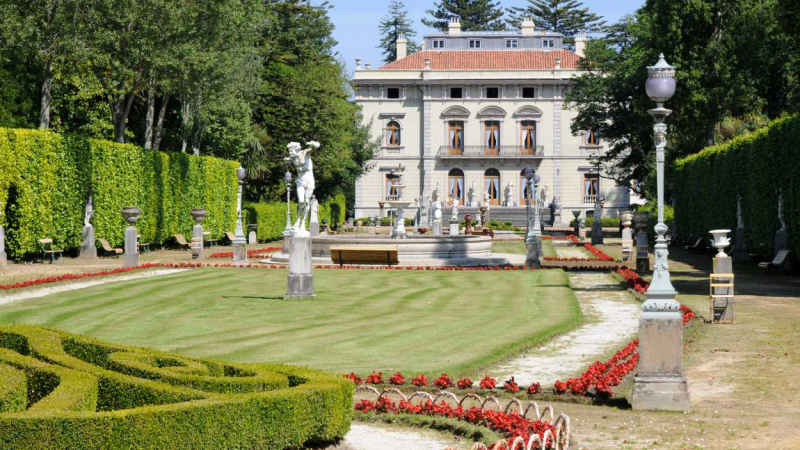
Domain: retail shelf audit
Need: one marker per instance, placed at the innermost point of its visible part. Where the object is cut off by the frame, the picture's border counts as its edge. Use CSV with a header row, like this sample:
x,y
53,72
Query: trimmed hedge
x,y
88,394
754,166
46,178
271,217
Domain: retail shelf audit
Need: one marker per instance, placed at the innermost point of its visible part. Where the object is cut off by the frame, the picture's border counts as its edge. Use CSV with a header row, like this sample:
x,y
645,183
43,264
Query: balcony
x,y
589,199
479,151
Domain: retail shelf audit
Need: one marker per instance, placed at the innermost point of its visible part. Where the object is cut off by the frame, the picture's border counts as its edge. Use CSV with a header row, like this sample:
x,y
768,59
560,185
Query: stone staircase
x,y
517,215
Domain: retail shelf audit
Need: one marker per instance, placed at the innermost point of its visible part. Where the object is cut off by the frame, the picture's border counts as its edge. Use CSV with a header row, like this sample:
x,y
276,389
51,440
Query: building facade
x,y
469,112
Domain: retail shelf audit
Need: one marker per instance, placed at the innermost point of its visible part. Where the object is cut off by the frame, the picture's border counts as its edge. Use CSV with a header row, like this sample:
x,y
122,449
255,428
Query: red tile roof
x,y
486,60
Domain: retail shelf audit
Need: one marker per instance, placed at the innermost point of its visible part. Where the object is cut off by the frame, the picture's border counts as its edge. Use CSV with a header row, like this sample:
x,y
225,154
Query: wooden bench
x,y
698,246
181,241
108,250
782,262
230,237
49,250
143,247
364,255
208,239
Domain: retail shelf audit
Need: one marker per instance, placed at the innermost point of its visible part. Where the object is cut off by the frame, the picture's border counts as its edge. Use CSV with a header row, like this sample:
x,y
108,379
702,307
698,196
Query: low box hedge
x,y
65,391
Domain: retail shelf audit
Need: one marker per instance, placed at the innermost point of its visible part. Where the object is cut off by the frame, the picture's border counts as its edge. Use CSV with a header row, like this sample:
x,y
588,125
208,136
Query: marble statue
x,y
780,212
739,218
437,218
301,159
486,198
543,194
88,249
471,194
508,194
313,222
436,192
87,217
454,209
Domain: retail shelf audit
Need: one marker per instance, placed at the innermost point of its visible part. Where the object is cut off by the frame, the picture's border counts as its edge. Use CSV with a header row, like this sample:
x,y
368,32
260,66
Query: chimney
x,y
580,44
358,63
367,66
422,46
402,46
528,27
427,64
455,26
558,63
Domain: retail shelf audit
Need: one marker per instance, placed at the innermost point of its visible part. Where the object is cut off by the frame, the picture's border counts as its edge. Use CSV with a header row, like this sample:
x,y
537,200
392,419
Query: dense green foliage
x,y
395,24
475,15
569,17
46,180
733,59
88,394
271,217
755,167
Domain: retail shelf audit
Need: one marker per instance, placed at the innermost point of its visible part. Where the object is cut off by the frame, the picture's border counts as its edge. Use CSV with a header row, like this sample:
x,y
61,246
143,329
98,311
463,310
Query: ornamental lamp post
x,y
239,240
533,238
537,227
660,384
287,232
528,173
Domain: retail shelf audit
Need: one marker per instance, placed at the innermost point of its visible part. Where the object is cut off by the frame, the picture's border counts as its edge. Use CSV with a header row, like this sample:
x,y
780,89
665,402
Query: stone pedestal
x,y
642,253
659,384
3,255
740,247
627,244
597,232
533,252
198,252
454,227
437,228
723,306
300,282
287,241
313,228
240,254
252,238
88,248
131,258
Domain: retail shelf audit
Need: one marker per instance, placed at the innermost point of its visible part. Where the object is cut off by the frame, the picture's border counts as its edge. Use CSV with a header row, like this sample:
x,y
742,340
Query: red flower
x,y
375,378
356,379
535,388
560,387
397,379
464,383
488,383
511,386
420,380
443,382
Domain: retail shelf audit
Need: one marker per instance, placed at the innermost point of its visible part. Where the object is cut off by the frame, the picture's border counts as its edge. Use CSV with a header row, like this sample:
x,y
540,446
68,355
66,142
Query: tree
x,y
728,65
395,24
568,17
475,15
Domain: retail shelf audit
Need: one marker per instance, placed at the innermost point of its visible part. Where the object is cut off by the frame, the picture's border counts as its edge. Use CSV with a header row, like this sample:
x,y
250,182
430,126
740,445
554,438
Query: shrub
x,y
755,166
46,179
605,222
271,217
89,394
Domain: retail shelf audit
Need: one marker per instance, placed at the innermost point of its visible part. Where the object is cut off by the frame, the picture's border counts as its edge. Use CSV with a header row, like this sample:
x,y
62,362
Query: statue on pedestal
x,y
508,195
301,159
454,210
88,248
471,194
436,192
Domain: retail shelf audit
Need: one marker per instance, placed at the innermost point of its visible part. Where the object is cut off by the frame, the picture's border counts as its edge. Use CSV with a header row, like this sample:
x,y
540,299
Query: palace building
x,y
472,110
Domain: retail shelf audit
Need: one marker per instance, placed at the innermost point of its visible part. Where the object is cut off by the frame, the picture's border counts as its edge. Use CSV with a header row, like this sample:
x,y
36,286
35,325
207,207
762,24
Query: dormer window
x,y
548,43
438,43
474,43
393,93
512,43
492,92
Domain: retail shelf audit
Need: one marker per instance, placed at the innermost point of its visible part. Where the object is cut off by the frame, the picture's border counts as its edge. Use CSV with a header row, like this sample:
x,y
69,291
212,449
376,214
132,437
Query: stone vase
x,y
131,215
721,241
198,214
468,227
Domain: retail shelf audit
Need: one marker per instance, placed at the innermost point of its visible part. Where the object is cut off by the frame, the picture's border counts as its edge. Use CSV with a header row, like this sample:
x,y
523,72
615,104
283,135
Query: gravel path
x,y
5,299
375,437
612,319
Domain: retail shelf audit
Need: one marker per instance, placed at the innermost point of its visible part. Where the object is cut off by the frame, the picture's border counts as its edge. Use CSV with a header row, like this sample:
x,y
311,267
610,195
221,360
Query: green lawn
x,y
518,248
361,320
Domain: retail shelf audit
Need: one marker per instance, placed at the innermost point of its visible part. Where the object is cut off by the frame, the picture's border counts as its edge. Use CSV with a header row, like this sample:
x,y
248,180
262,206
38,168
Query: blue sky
x,y
357,22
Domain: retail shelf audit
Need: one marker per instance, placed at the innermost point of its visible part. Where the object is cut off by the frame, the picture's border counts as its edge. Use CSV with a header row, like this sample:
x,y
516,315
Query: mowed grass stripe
x,y
414,321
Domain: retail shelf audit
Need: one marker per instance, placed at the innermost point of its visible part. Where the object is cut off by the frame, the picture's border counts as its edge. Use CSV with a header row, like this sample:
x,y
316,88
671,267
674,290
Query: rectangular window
x,y
591,187
548,43
528,92
474,43
438,43
455,136
492,92
456,92
528,137
393,93
512,43
491,137
392,180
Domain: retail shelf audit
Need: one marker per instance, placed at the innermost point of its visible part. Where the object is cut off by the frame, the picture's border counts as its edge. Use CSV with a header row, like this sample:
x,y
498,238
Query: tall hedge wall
x,y
271,217
46,178
756,166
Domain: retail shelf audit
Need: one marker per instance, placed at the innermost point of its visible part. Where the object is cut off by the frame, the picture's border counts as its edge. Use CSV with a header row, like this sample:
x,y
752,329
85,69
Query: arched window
x,y
591,138
392,180
455,136
455,185
491,185
528,137
392,132
524,191
491,139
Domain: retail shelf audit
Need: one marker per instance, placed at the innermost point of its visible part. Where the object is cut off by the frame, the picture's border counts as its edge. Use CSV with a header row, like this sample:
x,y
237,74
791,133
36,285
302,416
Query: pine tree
x,y
567,17
475,15
396,23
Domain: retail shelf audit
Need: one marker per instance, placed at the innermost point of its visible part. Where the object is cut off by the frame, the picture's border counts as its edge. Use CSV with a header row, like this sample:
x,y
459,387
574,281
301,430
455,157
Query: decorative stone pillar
x,y
597,225
198,252
627,235
642,242
723,307
252,236
300,282
533,238
454,227
3,255
576,229
131,215
239,240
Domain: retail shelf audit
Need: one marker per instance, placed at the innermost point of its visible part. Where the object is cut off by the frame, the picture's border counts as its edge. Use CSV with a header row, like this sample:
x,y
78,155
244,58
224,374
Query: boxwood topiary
x,y
60,390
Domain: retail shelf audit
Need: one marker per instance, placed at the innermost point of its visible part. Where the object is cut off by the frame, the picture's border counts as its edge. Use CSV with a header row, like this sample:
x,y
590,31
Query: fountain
x,y
399,205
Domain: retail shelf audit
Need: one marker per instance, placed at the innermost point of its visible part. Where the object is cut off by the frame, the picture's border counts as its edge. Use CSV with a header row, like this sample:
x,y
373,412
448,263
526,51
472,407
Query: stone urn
x,y
721,241
627,218
422,230
468,221
131,214
198,214
252,227
576,213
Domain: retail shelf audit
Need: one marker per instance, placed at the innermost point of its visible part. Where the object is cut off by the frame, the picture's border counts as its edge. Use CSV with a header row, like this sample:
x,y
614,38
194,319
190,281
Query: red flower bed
x,y
633,279
74,276
356,379
488,382
375,378
511,386
443,382
420,381
597,253
688,314
464,383
510,424
250,253
535,388
397,379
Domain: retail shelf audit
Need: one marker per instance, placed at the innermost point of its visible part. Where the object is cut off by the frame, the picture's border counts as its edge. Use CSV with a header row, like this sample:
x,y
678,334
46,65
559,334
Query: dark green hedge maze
x,y
66,391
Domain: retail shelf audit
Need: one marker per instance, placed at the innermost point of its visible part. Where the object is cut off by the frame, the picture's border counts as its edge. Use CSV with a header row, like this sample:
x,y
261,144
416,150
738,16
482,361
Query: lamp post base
x,y
660,384
533,252
652,393
240,254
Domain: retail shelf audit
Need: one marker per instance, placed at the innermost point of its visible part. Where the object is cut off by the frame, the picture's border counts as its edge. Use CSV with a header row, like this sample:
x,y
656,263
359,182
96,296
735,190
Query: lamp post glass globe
x,y
528,173
240,173
660,85
287,177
